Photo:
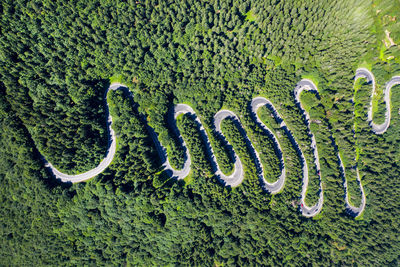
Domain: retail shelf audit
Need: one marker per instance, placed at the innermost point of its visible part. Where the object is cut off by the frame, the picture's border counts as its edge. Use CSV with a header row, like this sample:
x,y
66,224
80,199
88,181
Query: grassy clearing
x,y
179,117
367,64
385,26
308,100
116,78
389,17
378,107
189,179
277,60
313,76
250,16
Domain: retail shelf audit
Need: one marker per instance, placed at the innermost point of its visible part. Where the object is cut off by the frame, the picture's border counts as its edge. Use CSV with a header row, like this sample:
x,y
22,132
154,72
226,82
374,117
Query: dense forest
x,y
57,59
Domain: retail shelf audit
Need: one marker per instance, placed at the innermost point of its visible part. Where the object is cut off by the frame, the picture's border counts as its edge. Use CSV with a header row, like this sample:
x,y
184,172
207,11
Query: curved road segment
x,y
365,73
307,211
233,180
256,103
376,128
355,210
112,145
237,176
180,174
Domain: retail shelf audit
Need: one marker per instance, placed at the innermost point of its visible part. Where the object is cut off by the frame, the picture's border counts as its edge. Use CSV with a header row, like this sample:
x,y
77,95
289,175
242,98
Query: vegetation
x,y
198,151
57,59
264,146
134,144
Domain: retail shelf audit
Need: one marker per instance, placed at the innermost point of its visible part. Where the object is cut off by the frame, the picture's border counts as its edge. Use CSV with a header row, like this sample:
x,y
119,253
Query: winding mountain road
x,y
179,174
232,180
376,128
365,73
355,210
307,211
236,178
112,145
257,103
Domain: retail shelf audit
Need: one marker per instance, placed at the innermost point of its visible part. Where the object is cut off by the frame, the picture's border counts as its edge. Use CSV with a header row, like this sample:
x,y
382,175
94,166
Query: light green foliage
x,y
250,16
308,100
117,78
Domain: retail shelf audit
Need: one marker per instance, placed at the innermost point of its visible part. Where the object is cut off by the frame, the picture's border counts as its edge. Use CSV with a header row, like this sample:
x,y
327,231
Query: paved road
x,y
256,103
360,73
376,128
112,144
237,176
365,73
355,210
233,180
307,211
180,174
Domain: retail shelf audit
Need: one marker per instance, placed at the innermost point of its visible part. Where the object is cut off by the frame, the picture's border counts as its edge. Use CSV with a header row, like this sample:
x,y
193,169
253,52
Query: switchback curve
x,y
376,128
307,211
233,180
365,73
236,177
256,103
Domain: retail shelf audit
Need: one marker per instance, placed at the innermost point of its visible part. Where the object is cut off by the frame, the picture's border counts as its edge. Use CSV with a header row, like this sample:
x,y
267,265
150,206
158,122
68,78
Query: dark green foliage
x,y
55,61
29,209
265,145
133,141
223,155
190,131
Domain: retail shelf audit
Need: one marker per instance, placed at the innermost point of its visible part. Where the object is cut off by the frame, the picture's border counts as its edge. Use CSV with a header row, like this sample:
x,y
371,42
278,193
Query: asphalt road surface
x,y
307,211
236,177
